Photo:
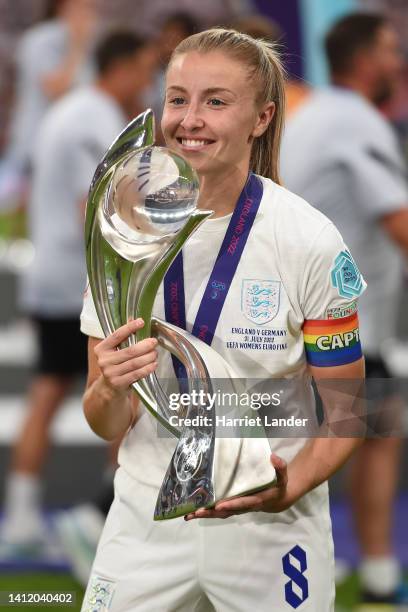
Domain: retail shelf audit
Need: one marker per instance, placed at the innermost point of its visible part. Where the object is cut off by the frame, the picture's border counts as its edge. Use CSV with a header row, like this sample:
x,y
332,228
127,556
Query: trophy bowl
x,y
152,194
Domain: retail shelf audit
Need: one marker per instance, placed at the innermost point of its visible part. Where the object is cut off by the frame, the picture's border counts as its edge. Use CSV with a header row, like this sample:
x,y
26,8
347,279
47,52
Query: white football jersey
x,y
290,257
292,301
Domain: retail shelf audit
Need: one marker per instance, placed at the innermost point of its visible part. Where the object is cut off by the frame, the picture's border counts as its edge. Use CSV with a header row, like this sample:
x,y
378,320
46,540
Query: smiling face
x,y
210,114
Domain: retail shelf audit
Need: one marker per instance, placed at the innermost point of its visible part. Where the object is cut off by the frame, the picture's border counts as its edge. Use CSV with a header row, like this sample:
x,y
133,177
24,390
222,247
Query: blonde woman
x,y
223,112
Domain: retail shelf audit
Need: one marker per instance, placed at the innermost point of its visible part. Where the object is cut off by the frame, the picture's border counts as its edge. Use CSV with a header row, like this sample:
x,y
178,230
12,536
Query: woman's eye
x,y
176,101
216,102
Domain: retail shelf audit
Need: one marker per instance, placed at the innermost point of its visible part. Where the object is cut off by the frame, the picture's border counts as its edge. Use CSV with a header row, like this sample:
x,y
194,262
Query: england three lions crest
x,y
260,300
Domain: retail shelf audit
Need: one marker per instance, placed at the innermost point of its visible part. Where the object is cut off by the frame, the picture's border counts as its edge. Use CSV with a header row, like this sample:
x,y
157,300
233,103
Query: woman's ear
x,y
263,119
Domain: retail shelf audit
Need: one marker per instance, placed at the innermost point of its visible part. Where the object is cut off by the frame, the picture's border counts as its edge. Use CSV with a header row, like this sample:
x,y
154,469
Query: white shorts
x,y
254,562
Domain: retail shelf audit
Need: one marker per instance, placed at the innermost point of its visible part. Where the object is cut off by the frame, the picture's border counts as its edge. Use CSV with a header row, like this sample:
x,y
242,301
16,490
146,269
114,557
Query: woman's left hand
x,y
273,499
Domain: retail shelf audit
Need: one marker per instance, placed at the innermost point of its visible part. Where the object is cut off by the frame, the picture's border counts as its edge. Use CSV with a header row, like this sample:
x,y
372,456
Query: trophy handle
x,y
139,133
206,466
123,288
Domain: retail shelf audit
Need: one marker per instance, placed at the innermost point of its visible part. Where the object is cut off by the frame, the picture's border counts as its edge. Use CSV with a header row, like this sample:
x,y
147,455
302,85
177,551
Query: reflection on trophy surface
x,y
142,207
149,194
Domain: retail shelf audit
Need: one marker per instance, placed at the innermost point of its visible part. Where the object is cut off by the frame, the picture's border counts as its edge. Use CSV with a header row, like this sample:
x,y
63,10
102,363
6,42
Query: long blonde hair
x,y
268,76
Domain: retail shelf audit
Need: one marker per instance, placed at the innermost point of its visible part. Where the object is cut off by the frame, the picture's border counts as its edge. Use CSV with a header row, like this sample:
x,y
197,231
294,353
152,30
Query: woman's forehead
x,y
206,69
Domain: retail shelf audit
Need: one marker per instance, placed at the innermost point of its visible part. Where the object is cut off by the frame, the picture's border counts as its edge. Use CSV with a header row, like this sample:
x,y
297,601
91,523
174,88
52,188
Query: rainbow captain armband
x,y
332,342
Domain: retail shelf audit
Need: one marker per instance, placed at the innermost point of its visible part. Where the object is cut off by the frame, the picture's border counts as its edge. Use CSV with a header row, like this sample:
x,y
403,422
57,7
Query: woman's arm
x,y
110,406
319,459
322,457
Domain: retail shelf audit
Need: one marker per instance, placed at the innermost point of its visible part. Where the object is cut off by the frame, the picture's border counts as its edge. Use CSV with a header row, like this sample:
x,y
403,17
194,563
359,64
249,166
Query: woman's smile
x,y
194,144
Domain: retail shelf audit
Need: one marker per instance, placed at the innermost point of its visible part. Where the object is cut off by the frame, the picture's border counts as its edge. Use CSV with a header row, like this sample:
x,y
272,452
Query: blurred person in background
x,y
51,58
72,139
260,26
147,15
341,154
175,28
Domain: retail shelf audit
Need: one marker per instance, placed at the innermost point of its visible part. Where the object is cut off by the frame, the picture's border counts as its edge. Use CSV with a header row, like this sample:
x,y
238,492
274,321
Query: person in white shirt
x,y
52,57
72,140
341,154
223,113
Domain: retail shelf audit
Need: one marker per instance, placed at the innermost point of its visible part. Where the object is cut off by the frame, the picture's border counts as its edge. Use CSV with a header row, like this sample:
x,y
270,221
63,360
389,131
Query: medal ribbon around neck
x,y
221,277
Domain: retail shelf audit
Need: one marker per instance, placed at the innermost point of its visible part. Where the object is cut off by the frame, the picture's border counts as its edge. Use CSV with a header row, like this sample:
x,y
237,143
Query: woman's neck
x,y
221,193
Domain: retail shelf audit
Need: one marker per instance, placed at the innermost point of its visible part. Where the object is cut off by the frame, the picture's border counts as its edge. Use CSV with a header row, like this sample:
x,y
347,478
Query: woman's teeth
x,y
187,142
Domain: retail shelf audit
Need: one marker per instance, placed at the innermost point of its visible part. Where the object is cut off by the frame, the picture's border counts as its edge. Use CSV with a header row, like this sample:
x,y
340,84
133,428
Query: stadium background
x,y
76,451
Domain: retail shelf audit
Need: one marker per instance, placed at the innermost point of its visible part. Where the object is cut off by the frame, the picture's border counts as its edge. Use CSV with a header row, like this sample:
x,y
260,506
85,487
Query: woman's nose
x,y
192,119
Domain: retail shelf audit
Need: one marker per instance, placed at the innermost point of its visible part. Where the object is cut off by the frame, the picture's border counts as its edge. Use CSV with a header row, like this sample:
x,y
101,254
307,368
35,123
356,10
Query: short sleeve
x,y
332,284
90,325
377,179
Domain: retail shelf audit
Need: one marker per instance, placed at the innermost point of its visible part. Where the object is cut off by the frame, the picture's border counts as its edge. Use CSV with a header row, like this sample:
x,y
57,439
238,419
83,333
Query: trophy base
x,y
188,483
201,474
186,508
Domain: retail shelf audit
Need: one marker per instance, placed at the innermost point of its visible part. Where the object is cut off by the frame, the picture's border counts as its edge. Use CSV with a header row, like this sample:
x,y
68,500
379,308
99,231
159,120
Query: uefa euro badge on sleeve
x,y
141,210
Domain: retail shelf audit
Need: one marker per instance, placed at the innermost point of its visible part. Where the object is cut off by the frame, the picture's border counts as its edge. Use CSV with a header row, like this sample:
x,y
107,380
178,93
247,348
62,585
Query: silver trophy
x,y
141,210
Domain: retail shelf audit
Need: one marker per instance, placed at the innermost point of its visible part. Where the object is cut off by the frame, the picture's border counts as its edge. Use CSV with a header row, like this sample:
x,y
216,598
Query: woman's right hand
x,y
122,367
